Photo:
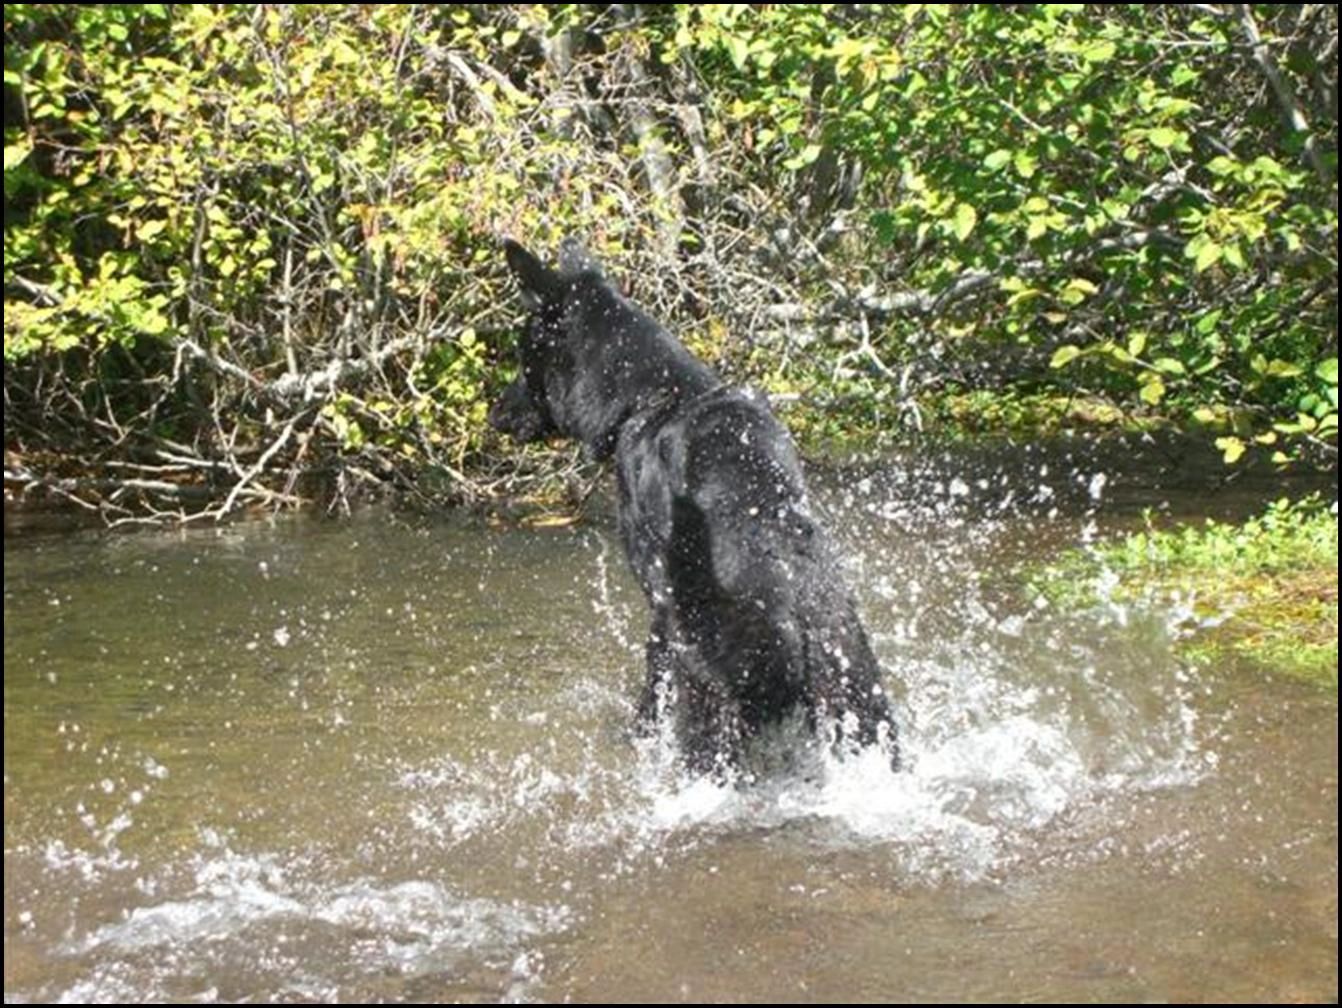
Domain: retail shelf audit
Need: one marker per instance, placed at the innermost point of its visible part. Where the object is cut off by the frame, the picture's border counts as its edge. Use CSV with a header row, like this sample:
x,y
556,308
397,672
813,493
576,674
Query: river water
x,y
388,759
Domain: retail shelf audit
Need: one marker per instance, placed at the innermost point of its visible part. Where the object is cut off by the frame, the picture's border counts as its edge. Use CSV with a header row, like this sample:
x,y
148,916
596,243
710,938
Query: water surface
x,y
388,759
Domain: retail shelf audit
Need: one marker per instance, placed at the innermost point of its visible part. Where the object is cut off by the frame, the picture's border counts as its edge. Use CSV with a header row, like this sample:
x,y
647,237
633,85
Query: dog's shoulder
x,y
724,449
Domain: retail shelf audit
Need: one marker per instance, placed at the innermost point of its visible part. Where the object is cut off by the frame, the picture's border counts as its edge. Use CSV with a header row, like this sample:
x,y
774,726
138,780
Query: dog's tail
x,y
844,676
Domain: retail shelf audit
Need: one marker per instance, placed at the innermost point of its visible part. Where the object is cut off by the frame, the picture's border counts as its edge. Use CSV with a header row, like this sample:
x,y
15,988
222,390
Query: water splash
x,y
235,902
1012,719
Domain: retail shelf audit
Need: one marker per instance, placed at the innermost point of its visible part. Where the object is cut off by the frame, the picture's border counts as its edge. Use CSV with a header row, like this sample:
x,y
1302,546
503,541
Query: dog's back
x,y
751,620
758,612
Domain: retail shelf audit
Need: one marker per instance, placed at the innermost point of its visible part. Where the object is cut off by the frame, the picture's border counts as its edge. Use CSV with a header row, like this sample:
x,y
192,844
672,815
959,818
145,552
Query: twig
x,y
260,464
1281,87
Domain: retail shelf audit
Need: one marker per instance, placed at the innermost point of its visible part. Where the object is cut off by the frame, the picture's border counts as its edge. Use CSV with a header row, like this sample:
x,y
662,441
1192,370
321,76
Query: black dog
x,y
750,618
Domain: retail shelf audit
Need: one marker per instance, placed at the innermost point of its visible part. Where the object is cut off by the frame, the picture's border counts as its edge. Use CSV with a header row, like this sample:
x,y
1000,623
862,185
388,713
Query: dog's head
x,y
532,406
589,358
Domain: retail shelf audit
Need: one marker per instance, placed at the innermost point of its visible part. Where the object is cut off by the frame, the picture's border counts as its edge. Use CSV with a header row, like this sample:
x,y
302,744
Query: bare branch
x,y
260,464
1285,94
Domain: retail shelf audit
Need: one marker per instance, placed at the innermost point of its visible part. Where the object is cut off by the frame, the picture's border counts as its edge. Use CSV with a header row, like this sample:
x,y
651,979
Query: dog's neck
x,y
656,410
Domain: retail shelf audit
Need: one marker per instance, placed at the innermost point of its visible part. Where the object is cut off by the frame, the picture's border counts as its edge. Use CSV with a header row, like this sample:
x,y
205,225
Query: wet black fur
x,y
751,620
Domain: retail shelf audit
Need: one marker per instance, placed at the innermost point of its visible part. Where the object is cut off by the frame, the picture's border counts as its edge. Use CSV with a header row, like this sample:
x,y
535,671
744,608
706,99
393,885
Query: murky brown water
x,y
382,760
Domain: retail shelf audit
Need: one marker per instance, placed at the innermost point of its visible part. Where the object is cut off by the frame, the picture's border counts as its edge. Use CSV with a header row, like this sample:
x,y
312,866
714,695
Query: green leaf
x,y
997,159
1208,255
1183,74
803,157
343,54
1231,449
15,155
965,219
739,49
1098,51
1076,290
152,322
1278,368
1165,137
1153,390
1064,355
1169,366
848,49
1327,370
1137,343
1023,295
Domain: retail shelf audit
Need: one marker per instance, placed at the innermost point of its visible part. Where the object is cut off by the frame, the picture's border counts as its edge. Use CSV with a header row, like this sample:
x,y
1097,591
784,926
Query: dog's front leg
x,y
661,661
709,726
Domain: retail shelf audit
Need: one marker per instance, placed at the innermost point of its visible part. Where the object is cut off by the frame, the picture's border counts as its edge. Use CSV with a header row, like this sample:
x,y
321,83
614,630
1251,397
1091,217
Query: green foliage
x,y
1007,204
1274,576
280,188
983,413
1113,169
1286,537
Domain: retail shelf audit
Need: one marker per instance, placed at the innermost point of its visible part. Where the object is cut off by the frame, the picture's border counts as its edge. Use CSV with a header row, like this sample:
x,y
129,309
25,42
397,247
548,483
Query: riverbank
x,y
1263,590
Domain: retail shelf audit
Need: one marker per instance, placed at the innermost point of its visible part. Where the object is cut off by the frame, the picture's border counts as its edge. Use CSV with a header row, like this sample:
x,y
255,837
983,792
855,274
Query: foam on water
x,y
275,912
993,752
967,804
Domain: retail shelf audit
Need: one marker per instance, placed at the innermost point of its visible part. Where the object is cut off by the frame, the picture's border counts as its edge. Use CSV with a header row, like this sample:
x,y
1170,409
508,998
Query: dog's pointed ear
x,y
538,282
574,258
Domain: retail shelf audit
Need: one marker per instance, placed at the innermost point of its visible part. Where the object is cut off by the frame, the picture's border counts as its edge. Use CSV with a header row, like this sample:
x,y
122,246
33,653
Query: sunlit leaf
x,y
1076,290
1232,448
1165,137
16,154
1099,51
966,217
1169,366
1209,253
1064,355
